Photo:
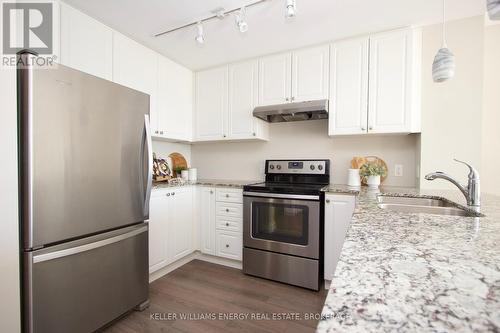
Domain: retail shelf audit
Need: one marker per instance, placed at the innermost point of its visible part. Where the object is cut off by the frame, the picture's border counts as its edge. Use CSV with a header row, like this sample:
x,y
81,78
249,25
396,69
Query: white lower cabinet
x,y
229,244
338,215
170,226
206,206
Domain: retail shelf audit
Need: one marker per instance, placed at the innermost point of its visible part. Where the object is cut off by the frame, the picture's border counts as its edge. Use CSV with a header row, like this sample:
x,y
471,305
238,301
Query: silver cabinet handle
x,y
327,200
254,134
287,99
363,128
224,135
293,98
161,132
370,128
227,210
227,195
156,132
211,192
227,224
227,245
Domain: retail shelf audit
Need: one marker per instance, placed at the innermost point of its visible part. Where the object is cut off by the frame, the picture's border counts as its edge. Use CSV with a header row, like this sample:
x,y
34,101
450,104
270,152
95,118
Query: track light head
x,y
241,21
290,8
200,35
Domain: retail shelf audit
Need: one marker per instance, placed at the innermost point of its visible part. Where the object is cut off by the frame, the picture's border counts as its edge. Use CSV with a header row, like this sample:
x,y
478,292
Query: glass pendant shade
x,y
443,67
493,9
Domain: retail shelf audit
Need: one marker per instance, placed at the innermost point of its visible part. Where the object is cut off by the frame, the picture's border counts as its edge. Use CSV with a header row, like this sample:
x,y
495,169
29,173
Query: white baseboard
x,y
190,257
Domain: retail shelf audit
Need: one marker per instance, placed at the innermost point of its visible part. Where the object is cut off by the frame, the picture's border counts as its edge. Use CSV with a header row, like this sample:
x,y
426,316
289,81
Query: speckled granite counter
x,y
208,182
403,272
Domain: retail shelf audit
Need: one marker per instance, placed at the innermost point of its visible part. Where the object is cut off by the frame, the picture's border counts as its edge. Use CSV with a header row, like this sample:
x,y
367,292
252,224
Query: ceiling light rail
x,y
218,15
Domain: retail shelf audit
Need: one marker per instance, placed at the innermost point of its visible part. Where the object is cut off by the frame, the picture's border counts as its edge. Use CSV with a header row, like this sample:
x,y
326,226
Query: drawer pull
x,y
227,195
227,224
227,210
227,245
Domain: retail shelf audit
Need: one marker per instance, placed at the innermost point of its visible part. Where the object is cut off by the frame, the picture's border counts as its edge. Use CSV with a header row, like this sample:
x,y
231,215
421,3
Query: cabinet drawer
x,y
229,223
229,244
230,195
227,209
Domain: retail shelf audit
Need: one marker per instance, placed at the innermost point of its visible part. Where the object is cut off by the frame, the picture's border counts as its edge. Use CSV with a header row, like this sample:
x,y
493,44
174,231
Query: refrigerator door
x,y
85,155
82,285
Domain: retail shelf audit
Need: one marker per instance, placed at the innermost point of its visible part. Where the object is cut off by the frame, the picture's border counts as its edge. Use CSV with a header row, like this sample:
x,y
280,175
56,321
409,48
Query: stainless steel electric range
x,y
283,223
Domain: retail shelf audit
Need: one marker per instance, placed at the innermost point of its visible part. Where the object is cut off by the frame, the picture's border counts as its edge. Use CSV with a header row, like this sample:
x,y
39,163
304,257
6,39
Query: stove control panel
x,y
316,167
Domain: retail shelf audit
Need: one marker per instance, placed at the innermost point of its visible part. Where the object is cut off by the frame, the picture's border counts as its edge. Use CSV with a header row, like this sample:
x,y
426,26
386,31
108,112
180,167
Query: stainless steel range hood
x,y
310,110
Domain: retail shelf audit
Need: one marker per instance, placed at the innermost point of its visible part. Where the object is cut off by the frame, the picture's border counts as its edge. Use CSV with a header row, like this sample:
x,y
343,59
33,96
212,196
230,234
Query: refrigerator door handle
x,y
149,178
87,247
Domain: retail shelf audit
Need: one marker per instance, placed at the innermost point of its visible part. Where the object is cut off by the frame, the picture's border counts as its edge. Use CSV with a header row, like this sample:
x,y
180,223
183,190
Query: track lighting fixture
x,y
241,21
290,8
200,35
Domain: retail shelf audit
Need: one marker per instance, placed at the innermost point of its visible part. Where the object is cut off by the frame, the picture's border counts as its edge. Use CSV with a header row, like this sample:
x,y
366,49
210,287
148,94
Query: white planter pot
x,y
373,181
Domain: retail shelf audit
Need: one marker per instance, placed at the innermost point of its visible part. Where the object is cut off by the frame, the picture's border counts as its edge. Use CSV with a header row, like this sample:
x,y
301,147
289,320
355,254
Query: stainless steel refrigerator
x,y
85,167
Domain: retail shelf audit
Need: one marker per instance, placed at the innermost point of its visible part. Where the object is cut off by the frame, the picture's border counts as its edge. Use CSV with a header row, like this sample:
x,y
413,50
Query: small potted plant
x,y
178,171
372,172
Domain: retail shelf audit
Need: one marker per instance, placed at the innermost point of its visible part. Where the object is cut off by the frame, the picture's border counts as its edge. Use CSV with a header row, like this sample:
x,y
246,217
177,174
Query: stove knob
x,y
271,167
312,167
278,167
320,167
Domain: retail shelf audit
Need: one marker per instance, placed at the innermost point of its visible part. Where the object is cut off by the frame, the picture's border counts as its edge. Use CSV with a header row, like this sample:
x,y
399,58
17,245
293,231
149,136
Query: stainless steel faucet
x,y
472,191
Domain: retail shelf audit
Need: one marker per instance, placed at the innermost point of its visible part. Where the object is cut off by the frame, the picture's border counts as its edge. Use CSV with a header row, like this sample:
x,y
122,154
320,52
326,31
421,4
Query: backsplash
x,y
304,140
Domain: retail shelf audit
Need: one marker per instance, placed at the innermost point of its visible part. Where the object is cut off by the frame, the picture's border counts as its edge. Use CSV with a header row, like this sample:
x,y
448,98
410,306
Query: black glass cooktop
x,y
288,188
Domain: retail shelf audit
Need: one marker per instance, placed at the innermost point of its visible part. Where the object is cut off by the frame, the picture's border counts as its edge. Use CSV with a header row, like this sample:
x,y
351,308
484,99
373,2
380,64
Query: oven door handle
x,y
282,196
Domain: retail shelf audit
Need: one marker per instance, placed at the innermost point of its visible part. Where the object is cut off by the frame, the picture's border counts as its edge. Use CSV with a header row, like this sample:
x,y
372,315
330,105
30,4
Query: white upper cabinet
x,y
211,104
243,97
348,113
310,68
175,101
86,44
393,81
136,66
390,83
275,79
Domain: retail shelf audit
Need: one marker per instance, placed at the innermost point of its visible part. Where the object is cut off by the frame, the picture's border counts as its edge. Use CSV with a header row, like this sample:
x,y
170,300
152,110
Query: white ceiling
x,y
317,21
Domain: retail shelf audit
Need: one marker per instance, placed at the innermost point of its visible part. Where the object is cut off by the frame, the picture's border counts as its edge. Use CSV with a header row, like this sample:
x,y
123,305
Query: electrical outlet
x,y
398,170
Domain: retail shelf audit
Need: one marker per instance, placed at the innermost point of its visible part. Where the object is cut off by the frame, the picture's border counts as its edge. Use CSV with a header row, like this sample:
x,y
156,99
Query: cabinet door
x,y
180,223
211,103
207,220
338,215
349,87
86,44
243,97
158,232
389,82
135,66
175,100
275,75
310,68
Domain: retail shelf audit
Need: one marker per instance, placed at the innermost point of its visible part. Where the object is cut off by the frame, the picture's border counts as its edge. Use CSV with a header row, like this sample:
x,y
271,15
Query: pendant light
x,y
290,9
443,67
493,9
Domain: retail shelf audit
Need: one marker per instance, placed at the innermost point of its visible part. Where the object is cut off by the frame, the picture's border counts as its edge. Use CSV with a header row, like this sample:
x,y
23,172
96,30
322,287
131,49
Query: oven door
x,y
283,223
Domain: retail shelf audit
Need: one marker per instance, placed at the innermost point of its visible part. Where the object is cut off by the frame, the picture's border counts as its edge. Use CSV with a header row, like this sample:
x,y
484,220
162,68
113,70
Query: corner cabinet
x,y
338,214
175,102
375,84
296,76
224,103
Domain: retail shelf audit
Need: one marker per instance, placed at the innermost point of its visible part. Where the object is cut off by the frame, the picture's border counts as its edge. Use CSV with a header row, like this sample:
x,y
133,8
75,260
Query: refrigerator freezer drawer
x,y
83,285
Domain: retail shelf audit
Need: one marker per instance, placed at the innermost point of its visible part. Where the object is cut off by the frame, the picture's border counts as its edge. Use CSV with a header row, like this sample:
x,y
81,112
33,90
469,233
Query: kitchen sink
x,y
422,205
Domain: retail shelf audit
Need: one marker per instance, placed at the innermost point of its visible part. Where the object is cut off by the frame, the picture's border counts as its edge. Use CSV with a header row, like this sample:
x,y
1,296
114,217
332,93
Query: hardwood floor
x,y
200,289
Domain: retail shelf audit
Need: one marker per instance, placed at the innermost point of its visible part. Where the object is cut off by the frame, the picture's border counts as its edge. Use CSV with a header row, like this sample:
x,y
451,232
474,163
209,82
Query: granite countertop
x,y
404,272
207,182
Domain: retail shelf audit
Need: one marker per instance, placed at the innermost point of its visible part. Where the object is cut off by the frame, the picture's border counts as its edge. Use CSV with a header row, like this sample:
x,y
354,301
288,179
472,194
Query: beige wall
x,y
163,149
9,235
491,112
306,139
451,111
